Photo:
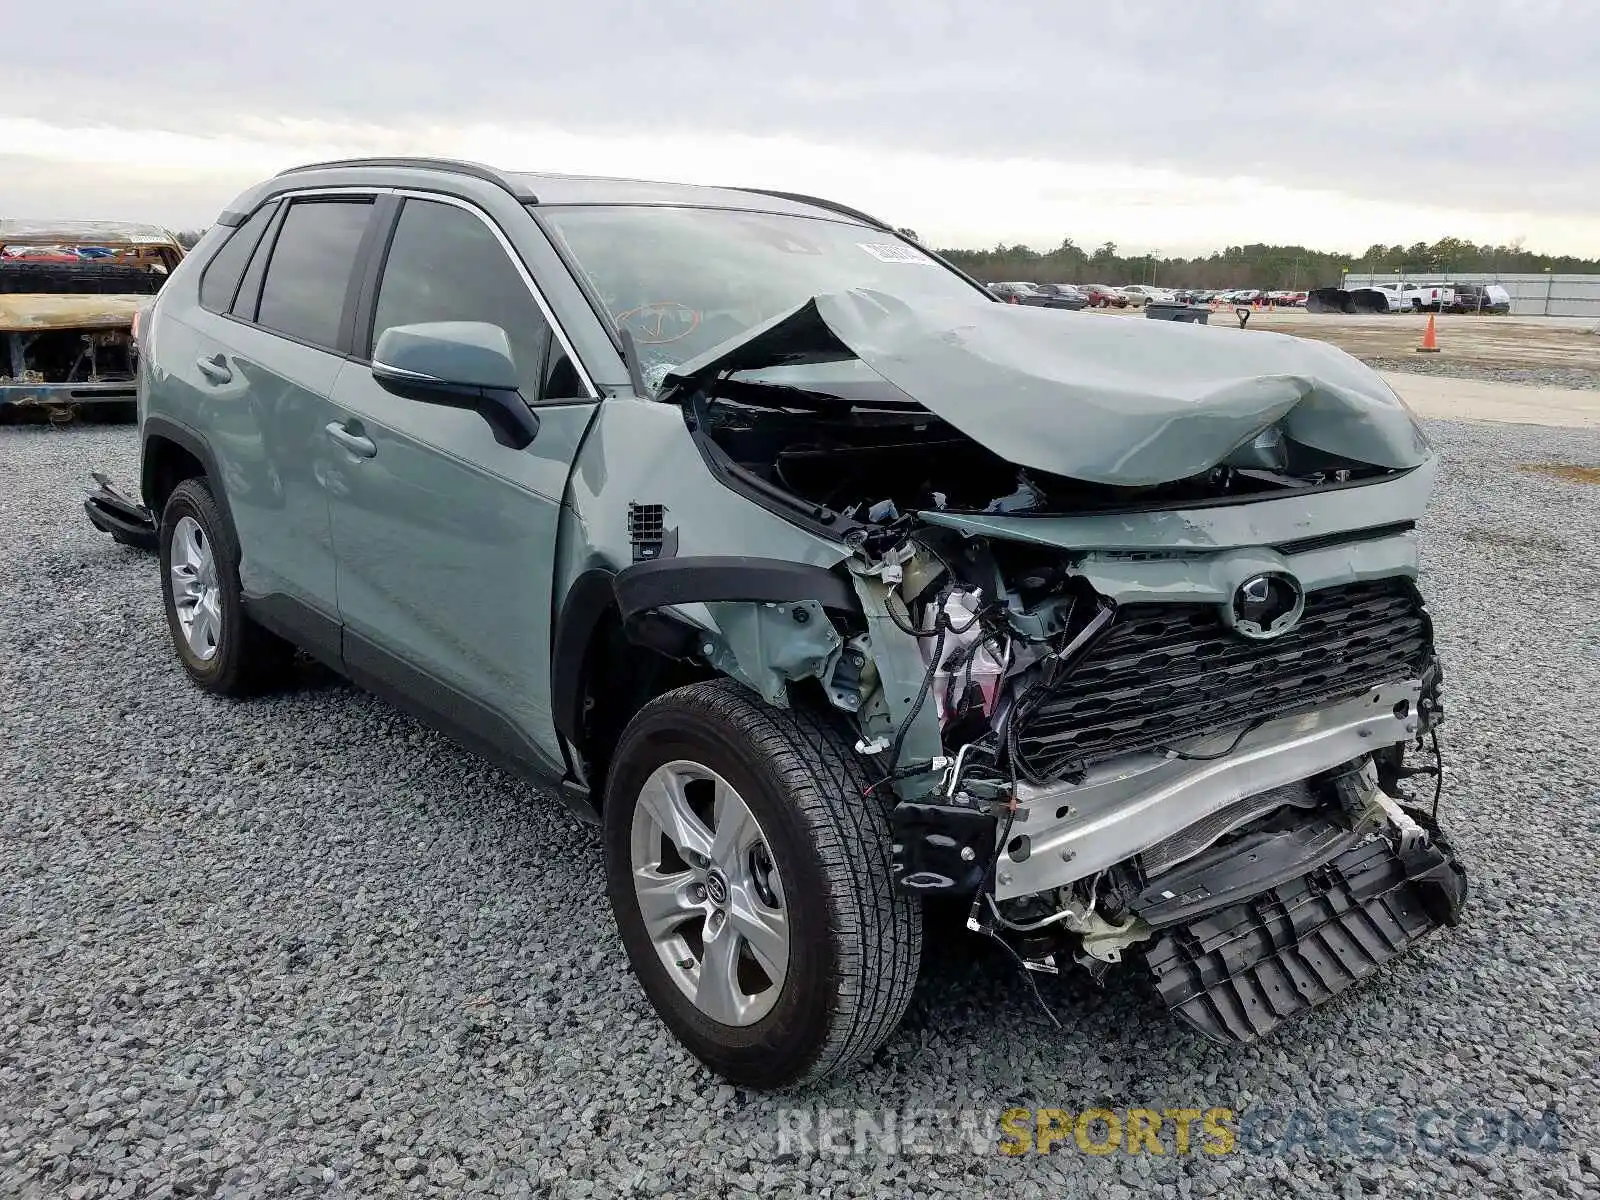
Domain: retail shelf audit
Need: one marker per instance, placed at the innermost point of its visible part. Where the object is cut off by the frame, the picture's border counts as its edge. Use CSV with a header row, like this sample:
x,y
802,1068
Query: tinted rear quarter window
x,y
308,279
446,264
222,273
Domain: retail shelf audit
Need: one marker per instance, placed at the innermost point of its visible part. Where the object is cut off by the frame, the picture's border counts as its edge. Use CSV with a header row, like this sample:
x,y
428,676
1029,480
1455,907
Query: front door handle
x,y
215,368
361,447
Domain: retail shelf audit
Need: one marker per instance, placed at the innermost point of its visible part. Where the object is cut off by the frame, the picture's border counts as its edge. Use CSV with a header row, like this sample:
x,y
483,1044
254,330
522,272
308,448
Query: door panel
x,y
446,544
261,402
445,538
264,425
262,398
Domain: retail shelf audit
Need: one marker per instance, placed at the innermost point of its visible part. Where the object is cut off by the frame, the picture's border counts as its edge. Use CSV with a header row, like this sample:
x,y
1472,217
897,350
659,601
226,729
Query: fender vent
x,y
647,530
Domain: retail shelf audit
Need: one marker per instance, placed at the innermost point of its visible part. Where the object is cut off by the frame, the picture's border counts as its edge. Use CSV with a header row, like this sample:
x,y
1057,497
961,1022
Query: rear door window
x,y
446,264
226,268
308,280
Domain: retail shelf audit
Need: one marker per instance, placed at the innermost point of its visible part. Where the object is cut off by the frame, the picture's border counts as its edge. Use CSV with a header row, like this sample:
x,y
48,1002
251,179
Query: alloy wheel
x,y
196,595
709,893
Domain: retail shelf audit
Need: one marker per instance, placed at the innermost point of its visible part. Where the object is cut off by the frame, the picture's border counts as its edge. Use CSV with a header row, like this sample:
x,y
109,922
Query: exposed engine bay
x,y
1162,695
871,462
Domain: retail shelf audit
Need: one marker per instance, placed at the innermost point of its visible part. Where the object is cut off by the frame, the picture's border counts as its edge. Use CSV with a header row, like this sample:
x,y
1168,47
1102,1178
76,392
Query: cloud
x,y
1374,116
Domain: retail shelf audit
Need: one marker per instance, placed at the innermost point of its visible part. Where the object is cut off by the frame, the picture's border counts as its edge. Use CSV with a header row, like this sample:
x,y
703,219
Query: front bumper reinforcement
x,y
1236,973
112,512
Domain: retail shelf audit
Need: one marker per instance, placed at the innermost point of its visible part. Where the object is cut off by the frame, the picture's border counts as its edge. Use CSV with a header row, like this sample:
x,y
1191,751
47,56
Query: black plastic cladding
x,y
1166,672
1237,973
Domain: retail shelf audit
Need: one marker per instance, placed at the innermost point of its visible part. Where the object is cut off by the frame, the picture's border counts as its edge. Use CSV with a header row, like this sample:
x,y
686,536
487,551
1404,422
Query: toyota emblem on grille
x,y
1266,606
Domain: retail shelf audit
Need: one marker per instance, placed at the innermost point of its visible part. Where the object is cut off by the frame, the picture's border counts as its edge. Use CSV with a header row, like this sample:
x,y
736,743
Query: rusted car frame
x,y
66,324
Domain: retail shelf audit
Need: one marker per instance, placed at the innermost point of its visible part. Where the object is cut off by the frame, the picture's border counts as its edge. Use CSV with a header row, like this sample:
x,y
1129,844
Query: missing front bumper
x,y
1236,973
1068,832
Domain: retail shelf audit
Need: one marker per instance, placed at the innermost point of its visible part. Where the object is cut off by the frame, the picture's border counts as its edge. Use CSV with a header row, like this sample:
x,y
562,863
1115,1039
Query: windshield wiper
x,y
761,393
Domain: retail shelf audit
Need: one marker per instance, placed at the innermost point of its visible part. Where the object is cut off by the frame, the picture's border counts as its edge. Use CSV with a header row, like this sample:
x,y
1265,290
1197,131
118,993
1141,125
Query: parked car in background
x,y
1140,294
1391,297
1018,292
67,314
1480,298
1428,297
1103,295
1062,295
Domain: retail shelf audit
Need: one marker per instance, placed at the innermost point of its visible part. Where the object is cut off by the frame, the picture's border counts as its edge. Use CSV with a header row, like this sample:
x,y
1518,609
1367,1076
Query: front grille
x,y
1167,672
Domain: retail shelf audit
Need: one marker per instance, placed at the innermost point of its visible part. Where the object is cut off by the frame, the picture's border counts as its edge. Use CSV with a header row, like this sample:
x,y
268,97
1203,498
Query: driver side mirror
x,y
458,364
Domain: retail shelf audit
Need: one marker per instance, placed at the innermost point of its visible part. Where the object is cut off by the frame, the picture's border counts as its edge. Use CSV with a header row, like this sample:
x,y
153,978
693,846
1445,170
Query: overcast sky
x,y
1171,126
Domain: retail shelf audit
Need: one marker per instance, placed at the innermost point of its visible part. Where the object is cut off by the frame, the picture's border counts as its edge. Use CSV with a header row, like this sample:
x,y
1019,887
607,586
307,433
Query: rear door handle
x,y
361,447
215,368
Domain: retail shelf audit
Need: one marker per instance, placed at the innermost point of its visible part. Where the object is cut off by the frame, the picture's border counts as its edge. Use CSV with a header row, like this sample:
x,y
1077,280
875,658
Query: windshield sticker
x,y
779,239
894,252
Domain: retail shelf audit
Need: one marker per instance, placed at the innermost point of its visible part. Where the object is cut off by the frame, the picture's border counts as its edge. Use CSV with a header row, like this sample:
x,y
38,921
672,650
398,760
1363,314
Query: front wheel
x,y
750,876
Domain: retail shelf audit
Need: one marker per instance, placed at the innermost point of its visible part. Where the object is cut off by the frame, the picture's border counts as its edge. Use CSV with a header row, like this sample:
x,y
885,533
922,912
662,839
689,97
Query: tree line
x,y
1254,266
1270,268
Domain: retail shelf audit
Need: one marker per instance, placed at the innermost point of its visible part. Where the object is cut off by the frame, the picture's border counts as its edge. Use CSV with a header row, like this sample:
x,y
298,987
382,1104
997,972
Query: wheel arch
x,y
172,453
618,626
639,659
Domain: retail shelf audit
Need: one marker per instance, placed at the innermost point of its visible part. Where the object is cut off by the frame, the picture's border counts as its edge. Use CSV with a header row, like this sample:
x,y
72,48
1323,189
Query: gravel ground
x,y
1581,378
304,946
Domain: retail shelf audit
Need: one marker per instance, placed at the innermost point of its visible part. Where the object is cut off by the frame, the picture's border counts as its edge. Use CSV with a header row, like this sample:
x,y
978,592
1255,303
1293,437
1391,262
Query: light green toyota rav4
x,y
823,581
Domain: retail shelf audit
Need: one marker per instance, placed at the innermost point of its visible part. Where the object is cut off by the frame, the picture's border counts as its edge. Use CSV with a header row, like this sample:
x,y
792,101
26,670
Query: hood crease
x,y
1123,402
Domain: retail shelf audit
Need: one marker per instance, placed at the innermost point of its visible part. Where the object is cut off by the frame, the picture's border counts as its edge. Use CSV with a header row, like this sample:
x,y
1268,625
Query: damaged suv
x,y
824,582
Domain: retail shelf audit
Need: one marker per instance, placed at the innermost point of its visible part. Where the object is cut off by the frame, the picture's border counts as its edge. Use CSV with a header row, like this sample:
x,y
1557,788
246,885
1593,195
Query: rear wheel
x,y
750,878
221,648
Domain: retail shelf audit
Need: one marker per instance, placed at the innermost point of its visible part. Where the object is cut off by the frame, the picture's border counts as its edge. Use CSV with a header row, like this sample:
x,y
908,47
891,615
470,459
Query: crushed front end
x,y
1143,662
1203,760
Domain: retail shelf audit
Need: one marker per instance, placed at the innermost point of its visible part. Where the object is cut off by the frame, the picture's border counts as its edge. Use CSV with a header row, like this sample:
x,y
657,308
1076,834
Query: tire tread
x,y
878,931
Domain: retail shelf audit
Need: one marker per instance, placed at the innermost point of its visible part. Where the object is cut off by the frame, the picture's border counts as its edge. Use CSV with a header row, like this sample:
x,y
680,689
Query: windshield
x,y
683,280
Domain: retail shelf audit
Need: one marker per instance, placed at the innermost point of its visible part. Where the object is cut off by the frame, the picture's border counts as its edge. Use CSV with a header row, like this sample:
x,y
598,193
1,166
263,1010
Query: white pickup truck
x,y
1428,297
1381,297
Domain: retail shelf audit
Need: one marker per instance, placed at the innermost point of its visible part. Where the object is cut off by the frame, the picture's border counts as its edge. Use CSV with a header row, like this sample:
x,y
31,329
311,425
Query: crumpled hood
x,y
1125,402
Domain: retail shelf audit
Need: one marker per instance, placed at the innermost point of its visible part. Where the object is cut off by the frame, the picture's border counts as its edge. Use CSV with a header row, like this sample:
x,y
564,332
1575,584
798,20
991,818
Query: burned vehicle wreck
x,y
69,295
1139,649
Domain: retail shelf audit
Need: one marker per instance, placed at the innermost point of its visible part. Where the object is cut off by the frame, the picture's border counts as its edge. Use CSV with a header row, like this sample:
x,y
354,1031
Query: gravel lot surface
x,y
1583,378
304,946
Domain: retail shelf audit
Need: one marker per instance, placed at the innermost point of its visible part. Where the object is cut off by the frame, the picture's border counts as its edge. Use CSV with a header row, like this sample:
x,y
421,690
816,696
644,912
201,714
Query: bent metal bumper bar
x,y
111,512
1066,832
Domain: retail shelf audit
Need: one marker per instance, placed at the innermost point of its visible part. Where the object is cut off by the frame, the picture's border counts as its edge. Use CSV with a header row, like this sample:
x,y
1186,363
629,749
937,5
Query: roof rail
x,y
818,202
500,179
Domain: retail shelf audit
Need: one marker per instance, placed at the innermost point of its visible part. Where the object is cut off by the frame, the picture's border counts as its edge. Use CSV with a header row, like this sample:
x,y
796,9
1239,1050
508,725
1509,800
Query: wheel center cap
x,y
716,888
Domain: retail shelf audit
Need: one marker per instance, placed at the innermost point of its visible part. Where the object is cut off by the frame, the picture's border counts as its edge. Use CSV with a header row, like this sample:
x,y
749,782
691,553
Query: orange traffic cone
x,y
1430,340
